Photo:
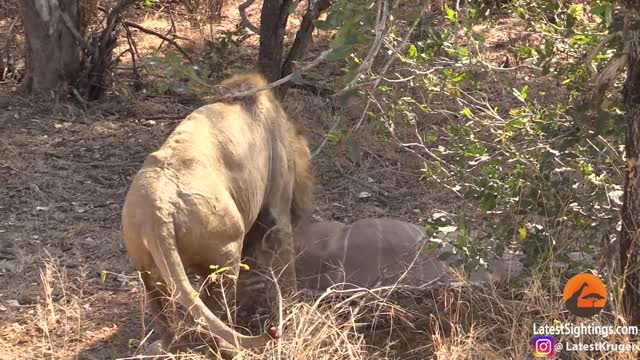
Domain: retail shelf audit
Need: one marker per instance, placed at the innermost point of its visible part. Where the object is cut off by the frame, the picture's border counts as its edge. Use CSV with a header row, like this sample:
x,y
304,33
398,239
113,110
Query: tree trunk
x,y
304,34
629,243
273,23
53,56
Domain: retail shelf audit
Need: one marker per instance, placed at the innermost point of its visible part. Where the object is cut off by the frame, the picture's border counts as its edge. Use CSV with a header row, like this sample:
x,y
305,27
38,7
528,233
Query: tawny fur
x,y
224,167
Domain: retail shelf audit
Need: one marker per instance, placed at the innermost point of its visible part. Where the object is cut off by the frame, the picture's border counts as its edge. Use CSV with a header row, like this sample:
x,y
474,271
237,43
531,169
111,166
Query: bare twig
x,y
304,35
276,83
133,50
244,20
76,34
79,97
117,58
168,117
171,31
163,37
386,66
380,31
591,55
325,139
249,92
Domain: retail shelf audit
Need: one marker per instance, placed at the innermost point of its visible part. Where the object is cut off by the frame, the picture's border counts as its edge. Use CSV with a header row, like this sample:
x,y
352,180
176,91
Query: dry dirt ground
x,y
67,289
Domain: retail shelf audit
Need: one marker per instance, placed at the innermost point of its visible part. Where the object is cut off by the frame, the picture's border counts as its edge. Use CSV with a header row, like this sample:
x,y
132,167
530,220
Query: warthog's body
x,y
189,207
372,252
367,253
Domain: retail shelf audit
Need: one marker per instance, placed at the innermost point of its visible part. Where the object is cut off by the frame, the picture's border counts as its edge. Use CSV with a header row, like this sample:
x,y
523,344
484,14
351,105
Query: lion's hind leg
x,y
157,296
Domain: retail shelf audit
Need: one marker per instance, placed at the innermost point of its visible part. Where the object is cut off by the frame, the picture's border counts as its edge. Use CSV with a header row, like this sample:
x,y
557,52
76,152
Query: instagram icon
x,y
543,346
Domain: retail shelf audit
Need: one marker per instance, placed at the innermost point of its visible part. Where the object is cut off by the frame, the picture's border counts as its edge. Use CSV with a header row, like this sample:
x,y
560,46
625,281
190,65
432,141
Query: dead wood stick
x,y
163,37
242,8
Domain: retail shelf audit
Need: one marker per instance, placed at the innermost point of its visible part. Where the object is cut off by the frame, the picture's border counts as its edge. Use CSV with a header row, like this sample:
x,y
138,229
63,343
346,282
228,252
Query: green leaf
x,y
458,77
324,25
451,14
522,232
476,150
549,47
296,77
488,201
413,52
478,37
526,52
355,152
604,12
467,112
462,242
339,53
334,136
103,276
522,94
331,23
343,101
462,223
571,17
464,53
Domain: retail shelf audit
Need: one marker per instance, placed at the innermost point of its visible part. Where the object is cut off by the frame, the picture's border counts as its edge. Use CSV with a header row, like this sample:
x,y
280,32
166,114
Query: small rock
x,y
581,257
155,348
364,194
616,197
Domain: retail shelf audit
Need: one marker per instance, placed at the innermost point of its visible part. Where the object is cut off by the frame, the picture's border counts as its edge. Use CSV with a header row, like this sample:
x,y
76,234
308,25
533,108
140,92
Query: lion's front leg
x,y
277,254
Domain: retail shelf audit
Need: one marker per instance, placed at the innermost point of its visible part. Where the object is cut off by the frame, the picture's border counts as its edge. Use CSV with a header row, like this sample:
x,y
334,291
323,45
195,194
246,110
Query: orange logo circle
x,y
585,295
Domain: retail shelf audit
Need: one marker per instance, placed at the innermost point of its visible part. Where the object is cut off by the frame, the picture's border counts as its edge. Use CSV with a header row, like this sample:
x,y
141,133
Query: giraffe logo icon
x,y
585,295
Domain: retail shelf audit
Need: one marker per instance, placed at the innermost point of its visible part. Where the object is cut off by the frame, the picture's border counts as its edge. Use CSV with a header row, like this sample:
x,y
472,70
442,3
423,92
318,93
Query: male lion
x,y
226,166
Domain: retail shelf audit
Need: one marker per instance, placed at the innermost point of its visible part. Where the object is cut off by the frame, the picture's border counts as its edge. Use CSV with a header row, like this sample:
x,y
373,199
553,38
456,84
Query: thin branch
x,y
249,92
304,35
325,139
386,66
167,117
588,60
380,30
276,83
133,50
244,20
163,37
76,34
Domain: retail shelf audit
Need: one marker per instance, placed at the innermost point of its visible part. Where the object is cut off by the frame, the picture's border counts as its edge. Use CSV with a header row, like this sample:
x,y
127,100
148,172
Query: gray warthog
x,y
379,251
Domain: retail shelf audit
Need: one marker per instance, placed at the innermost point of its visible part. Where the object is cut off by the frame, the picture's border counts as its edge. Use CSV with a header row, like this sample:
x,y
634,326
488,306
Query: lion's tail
x,y
164,251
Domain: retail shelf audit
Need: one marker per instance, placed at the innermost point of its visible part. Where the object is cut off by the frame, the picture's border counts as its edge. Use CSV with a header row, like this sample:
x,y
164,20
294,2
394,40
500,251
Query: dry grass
x,y
459,321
